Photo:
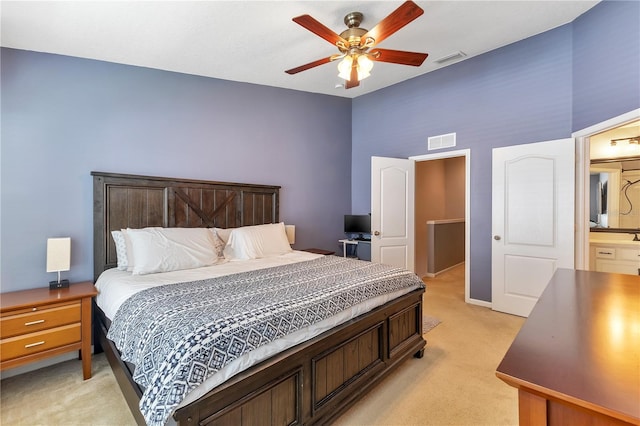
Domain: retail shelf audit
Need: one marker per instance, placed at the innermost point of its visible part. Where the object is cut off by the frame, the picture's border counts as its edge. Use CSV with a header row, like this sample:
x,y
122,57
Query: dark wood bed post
x,y
311,383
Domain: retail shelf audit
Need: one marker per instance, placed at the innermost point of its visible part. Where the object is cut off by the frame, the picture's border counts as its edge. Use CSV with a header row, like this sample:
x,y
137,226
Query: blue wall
x,y
522,93
63,117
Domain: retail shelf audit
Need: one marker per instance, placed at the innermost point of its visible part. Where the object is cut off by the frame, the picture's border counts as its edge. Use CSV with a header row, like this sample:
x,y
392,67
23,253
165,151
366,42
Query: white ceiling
x,y
255,41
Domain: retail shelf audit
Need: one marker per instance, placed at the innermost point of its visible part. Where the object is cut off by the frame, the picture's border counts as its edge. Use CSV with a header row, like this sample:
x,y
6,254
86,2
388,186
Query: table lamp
x,y
290,230
58,259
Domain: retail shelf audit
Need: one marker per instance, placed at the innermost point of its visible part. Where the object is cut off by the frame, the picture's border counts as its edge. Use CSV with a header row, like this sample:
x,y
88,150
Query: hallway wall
x,y
440,194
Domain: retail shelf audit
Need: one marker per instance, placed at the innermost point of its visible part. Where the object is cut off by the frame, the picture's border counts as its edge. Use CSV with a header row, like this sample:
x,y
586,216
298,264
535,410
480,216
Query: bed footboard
x,y
312,383
316,381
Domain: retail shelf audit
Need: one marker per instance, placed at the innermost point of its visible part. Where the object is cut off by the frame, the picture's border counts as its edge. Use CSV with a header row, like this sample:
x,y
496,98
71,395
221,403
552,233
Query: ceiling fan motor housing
x,y
353,19
353,34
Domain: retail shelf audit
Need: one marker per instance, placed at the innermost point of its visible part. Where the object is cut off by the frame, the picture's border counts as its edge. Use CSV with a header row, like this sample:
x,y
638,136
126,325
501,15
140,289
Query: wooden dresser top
x,y
581,343
43,296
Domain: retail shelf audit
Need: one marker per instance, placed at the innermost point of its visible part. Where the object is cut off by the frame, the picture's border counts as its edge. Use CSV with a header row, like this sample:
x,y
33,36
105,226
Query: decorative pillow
x,y
171,249
218,243
253,242
121,249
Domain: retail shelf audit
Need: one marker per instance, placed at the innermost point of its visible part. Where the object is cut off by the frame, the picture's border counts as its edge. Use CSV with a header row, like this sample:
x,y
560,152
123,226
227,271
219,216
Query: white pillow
x,y
171,249
121,249
129,251
253,242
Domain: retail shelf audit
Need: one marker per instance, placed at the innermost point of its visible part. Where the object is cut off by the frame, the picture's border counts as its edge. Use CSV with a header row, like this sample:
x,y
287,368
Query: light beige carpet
x,y
429,323
57,395
453,384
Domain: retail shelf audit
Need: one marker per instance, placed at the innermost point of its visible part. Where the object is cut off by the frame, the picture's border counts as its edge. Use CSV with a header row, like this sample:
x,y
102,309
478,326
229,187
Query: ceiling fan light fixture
x,y
364,65
344,67
354,43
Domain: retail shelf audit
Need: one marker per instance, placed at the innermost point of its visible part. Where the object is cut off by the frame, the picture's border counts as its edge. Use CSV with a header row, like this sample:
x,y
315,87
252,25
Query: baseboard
x,y
435,274
479,302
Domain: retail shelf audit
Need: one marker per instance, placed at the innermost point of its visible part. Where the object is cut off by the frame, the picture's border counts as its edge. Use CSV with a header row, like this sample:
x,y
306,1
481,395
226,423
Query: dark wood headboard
x,y
130,201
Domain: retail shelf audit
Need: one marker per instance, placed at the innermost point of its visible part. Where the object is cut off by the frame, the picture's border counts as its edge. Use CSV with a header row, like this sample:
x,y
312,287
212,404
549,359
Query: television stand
x,y
365,244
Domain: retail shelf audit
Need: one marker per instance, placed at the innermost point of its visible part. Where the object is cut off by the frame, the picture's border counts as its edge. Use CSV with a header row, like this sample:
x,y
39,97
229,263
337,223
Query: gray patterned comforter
x,y
178,335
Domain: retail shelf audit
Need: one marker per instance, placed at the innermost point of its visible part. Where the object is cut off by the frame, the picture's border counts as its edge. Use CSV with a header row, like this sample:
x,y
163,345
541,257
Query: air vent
x,y
451,57
442,141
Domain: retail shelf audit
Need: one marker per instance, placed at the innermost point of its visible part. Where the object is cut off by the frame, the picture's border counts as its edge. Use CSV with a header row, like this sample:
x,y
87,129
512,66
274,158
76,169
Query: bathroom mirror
x,y
614,194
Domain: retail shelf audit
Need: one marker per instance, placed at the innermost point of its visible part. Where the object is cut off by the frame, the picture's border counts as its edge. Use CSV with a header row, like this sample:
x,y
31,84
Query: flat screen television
x,y
357,224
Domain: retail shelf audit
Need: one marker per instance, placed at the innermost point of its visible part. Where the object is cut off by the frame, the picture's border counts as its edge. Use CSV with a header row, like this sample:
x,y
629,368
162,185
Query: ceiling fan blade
x,y
400,17
398,57
309,65
353,80
318,29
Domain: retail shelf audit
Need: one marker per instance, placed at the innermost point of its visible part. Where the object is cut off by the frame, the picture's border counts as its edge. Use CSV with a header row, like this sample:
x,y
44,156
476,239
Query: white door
x,y
532,221
392,211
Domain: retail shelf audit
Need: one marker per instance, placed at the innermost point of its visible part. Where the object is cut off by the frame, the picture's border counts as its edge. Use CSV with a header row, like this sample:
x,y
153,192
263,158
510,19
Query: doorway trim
x,y
466,153
583,162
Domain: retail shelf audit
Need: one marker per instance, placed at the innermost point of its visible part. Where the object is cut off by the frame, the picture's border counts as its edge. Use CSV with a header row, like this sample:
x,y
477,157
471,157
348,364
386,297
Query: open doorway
x,y
439,215
584,138
448,172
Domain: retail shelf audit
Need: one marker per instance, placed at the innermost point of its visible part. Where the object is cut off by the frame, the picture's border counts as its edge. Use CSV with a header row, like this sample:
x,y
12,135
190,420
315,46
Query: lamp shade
x,y
58,254
291,233
344,67
365,65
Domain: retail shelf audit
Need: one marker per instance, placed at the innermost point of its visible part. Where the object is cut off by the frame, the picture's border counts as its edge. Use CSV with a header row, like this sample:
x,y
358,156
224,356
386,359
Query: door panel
x,y
394,255
392,211
533,198
539,270
532,221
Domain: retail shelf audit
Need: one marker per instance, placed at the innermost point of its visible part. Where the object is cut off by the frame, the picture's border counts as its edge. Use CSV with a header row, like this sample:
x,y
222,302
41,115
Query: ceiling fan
x,y
357,45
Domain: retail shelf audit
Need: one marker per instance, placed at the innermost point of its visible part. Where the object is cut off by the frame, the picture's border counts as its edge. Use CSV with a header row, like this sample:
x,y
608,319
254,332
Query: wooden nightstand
x,y
319,251
41,323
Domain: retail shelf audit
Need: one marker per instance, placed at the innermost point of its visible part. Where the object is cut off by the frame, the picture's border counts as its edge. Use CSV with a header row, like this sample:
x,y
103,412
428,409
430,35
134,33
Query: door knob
x,y
496,237
376,233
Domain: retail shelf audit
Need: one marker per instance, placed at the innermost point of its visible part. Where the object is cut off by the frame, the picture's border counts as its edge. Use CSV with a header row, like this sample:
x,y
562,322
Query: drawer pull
x,y
604,252
34,322
30,345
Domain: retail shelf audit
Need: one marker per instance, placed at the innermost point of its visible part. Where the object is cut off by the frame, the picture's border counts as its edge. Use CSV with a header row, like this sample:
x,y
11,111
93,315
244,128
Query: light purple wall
x,y
522,93
63,117
606,62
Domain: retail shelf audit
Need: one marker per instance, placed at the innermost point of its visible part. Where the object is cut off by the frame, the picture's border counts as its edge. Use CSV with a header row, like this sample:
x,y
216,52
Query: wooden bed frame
x,y
311,383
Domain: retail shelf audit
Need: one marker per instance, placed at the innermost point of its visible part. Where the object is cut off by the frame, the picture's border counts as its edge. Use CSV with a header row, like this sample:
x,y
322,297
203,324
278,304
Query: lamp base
x,y
53,285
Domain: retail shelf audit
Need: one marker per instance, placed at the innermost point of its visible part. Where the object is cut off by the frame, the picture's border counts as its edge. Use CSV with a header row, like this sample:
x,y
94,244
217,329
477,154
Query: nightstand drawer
x,y
31,320
40,341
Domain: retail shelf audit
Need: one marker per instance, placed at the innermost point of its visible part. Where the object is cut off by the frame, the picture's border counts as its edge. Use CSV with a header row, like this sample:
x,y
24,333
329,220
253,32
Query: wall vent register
x,y
441,141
